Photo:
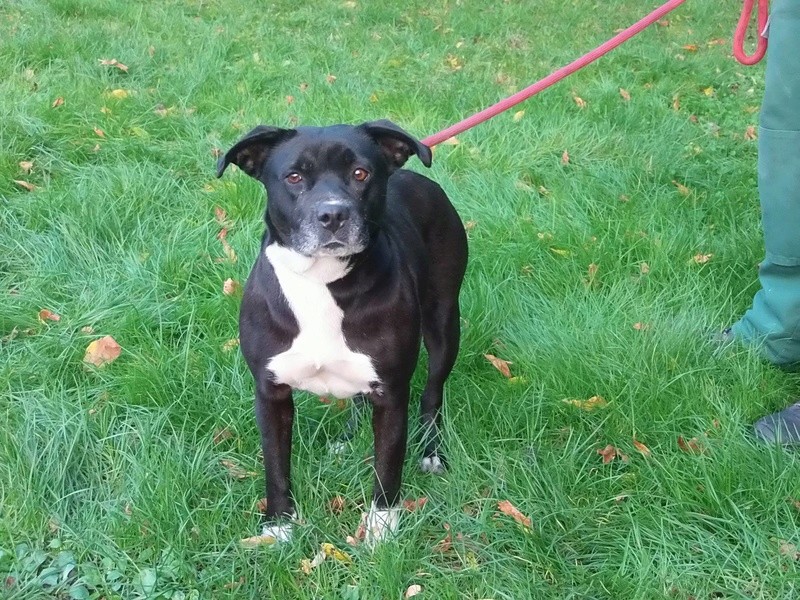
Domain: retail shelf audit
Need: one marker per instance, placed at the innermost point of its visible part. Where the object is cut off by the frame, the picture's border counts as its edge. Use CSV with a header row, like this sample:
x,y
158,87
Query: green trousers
x,y
773,321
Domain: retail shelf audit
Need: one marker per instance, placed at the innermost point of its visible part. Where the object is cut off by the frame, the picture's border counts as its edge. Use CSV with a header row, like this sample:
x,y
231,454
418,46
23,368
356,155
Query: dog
x,y
359,259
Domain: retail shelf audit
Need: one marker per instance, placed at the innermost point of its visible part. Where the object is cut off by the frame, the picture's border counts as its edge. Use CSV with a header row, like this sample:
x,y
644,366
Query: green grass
x,y
111,483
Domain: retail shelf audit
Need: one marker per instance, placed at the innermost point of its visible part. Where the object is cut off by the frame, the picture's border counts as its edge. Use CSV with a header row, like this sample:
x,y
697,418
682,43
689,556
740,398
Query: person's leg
x,y
773,321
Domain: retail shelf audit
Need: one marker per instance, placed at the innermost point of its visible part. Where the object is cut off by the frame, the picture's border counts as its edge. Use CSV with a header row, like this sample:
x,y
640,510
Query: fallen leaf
x,y
222,434
361,532
565,158
470,225
258,540
788,550
588,404
230,254
579,101
663,23
232,585
644,268
709,91
512,511
413,590
454,62
303,87
119,94
702,259
624,198
261,506
333,552
446,542
230,345
717,42
641,447
638,326
592,273
113,62
750,133
24,184
87,329
682,189
331,79
336,505
693,446
47,315
626,95
560,251
690,47
161,110
102,351
99,132
518,115
609,453
231,287
26,166
289,99
795,503
235,471
676,102
57,102
499,364
412,505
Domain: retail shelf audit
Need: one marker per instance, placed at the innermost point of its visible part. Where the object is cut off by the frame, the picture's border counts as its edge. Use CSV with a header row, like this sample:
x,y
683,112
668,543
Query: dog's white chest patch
x,y
319,360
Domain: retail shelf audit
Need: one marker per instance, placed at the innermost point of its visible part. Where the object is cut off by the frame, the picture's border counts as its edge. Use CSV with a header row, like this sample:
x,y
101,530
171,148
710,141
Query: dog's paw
x,y
282,532
382,523
432,464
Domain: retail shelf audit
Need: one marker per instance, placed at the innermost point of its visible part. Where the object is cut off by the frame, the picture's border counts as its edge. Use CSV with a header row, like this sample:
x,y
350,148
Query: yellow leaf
x,y
561,251
626,95
258,540
518,115
119,94
333,552
709,91
589,404
579,101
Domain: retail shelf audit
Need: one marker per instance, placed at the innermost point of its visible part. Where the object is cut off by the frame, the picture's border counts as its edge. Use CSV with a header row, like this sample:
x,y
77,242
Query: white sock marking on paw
x,y
432,464
382,523
281,532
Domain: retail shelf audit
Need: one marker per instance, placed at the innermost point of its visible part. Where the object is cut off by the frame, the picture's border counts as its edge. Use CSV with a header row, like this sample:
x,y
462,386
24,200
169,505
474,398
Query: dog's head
x,y
326,186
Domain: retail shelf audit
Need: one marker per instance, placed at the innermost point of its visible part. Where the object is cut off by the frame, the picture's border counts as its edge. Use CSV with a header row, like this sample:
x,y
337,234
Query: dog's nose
x,y
333,215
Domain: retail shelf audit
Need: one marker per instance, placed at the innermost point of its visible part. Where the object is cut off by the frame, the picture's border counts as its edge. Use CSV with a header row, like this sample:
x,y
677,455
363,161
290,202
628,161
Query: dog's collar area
x,y
324,269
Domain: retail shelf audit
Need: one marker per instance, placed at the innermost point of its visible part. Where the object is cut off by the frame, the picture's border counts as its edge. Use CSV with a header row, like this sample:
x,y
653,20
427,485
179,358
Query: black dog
x,y
358,258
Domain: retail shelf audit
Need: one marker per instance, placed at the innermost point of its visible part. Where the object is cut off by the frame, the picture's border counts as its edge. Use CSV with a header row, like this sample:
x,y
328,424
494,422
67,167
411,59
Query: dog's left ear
x,y
397,145
250,152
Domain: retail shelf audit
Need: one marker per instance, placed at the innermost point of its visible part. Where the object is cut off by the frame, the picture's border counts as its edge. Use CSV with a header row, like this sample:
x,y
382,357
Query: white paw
x,y
281,532
381,524
432,464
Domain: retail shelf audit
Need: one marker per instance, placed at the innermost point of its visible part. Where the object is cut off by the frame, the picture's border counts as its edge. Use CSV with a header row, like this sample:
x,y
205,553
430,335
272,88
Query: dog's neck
x,y
322,269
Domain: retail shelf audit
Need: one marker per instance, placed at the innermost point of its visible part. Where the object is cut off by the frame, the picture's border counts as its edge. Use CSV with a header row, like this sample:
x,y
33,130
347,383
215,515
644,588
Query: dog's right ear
x,y
250,152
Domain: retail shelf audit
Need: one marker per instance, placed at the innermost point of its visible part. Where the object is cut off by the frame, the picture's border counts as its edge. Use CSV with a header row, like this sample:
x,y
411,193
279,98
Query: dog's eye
x,y
294,178
360,174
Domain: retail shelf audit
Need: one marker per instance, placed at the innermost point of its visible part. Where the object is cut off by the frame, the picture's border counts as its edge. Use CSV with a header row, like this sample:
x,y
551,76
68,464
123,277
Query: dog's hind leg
x,y
440,331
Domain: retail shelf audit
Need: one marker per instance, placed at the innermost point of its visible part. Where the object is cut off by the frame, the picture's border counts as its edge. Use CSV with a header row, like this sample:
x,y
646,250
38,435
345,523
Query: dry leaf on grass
x,y
25,184
682,189
692,446
750,133
512,511
47,315
446,542
609,453
565,158
588,404
412,505
231,287
102,351
625,94
579,101
336,505
499,364
235,471
258,540
230,345
518,115
702,259
113,62
641,447
26,166
222,434
230,254
413,590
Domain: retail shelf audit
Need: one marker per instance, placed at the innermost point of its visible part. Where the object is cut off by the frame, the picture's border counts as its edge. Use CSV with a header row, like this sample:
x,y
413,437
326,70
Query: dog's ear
x,y
397,145
250,152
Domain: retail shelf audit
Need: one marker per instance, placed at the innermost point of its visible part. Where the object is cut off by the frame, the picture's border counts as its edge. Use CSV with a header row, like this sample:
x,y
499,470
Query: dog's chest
x,y
319,360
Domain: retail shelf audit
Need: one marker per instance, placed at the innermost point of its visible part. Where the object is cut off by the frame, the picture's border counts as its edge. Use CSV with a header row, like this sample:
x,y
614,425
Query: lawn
x,y
613,222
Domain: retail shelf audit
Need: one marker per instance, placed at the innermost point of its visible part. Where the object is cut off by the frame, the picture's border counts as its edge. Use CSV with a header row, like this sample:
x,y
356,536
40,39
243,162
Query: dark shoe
x,y
781,427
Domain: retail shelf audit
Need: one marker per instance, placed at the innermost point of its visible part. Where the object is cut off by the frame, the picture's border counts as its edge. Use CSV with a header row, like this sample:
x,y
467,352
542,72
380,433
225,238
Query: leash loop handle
x,y
741,33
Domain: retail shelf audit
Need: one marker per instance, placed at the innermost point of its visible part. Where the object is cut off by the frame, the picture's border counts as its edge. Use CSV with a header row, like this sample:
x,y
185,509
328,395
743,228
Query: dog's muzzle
x,y
334,228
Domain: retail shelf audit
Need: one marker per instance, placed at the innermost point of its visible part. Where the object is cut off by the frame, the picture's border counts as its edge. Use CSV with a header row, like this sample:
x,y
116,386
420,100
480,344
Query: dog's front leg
x,y
275,415
390,430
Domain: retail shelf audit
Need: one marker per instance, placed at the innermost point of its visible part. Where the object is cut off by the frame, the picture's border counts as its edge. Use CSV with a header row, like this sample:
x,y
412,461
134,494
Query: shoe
x,y
781,427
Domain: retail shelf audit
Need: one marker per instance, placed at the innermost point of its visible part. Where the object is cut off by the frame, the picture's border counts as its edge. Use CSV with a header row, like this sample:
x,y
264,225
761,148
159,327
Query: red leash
x,y
741,32
601,50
